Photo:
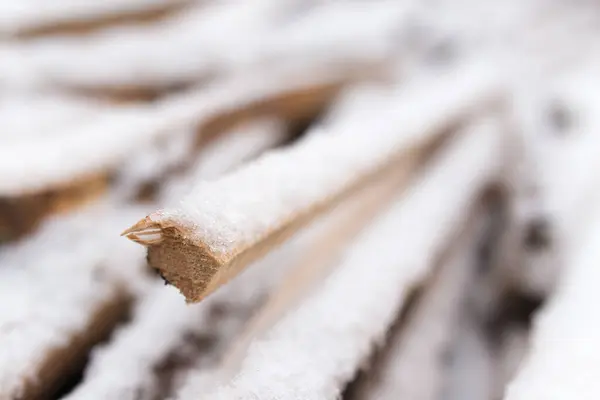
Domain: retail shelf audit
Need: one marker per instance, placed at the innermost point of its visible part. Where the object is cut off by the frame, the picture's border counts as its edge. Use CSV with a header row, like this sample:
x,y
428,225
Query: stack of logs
x,y
324,199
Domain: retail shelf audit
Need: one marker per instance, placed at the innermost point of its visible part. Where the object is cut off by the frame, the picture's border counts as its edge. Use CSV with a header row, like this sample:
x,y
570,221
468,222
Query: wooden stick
x,y
24,118
84,290
222,226
318,347
129,365
61,160
30,19
212,39
342,225
413,362
161,320
164,169
102,143
57,304
21,215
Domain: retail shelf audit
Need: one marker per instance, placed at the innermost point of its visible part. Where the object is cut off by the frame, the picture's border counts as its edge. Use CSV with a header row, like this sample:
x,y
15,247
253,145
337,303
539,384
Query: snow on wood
x,y
26,116
25,119
217,38
55,158
77,158
125,368
99,60
564,349
361,33
307,271
163,161
220,226
29,16
318,347
226,152
106,141
413,362
56,304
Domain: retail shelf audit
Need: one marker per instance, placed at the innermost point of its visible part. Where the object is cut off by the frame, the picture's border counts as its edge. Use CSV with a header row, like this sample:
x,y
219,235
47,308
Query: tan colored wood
x,y
61,363
21,215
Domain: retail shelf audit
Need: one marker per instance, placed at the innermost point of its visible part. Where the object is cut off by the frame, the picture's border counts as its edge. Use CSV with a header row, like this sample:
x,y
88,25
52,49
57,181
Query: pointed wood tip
x,y
145,232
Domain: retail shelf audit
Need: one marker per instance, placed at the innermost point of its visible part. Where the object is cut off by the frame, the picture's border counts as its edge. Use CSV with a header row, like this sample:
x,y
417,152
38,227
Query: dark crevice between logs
x,y
515,310
514,307
371,369
188,354
21,215
73,365
181,359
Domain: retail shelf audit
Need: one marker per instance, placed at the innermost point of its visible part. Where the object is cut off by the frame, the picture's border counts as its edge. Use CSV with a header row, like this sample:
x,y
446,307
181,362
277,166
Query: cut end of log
x,y
191,269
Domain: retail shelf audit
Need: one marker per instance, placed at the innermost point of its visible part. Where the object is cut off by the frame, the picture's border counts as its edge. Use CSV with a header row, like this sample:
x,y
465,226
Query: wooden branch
x,y
222,226
318,347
